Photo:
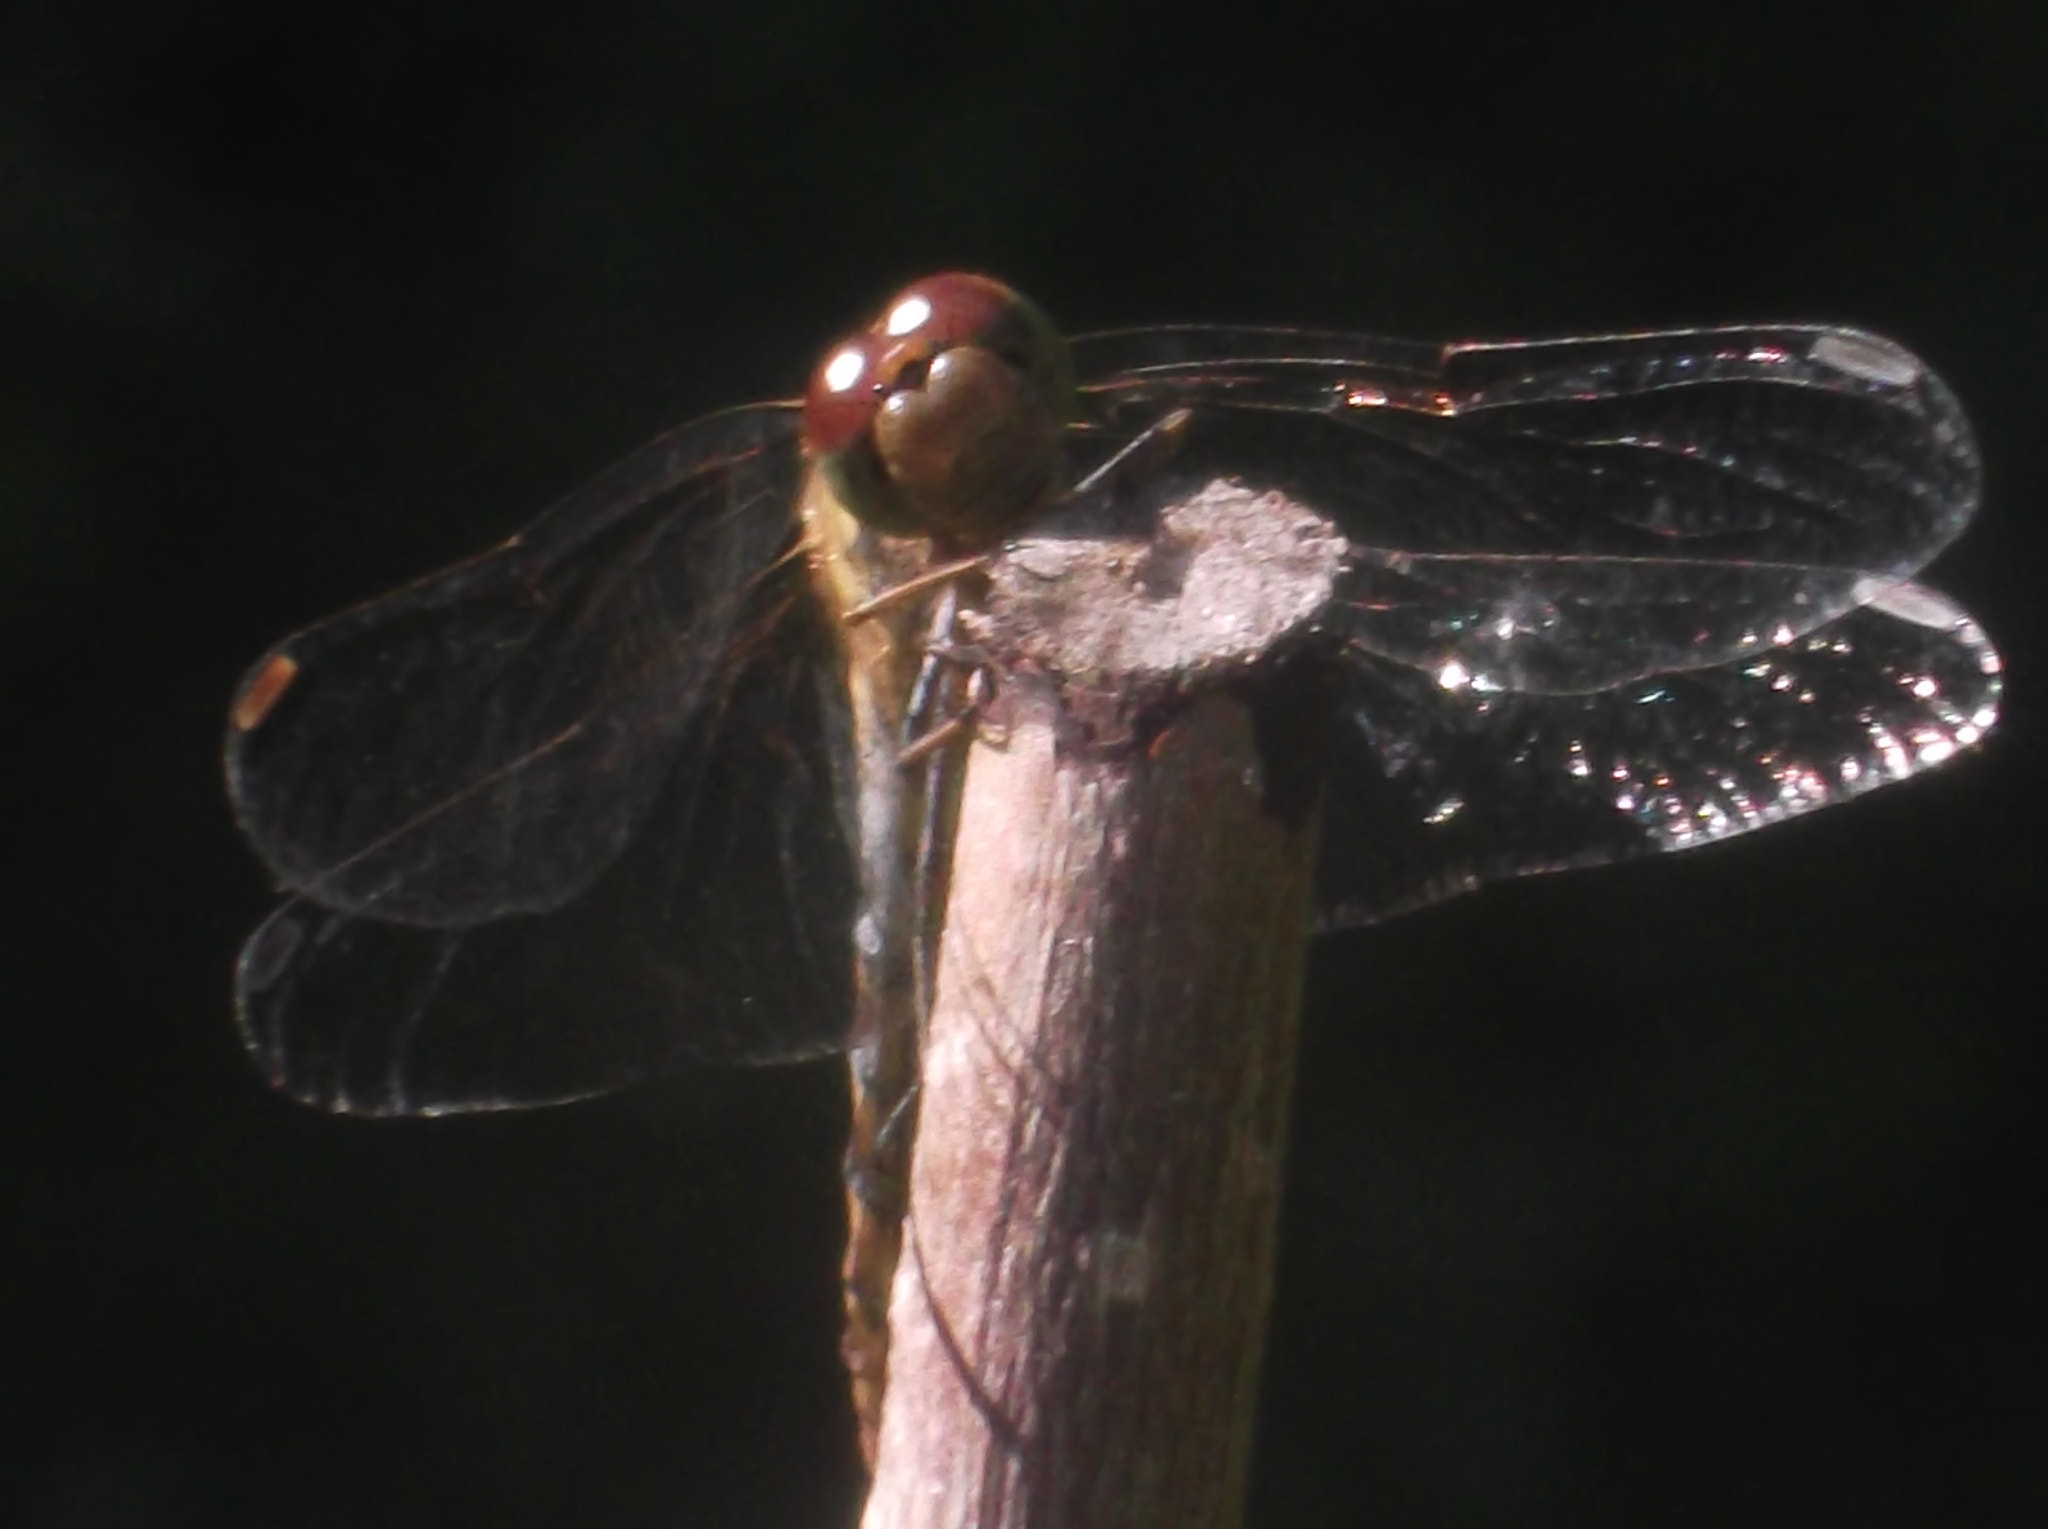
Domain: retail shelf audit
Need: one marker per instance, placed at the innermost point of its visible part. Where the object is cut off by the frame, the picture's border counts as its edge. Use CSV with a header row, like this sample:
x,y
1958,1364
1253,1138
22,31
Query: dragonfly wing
x,y
721,933
1604,596
484,742
1437,791
1568,515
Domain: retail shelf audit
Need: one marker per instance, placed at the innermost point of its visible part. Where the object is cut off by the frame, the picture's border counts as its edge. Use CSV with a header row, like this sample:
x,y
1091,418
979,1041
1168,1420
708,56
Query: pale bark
x,y
1079,1314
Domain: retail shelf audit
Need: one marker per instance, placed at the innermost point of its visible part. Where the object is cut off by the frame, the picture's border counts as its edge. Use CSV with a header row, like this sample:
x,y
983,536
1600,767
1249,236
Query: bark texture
x,y
1079,1314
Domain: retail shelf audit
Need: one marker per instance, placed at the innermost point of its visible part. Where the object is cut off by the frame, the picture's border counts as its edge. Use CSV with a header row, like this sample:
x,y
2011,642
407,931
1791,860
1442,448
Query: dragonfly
x,y
664,778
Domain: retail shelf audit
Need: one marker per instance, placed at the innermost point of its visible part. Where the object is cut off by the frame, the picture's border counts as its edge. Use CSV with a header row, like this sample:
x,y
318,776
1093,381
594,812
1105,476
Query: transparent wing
x,y
722,932
1605,596
1567,515
1436,791
484,742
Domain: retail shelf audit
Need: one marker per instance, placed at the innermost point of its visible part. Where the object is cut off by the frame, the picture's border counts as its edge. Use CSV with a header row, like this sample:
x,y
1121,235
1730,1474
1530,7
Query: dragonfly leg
x,y
947,574
1144,452
971,716
924,731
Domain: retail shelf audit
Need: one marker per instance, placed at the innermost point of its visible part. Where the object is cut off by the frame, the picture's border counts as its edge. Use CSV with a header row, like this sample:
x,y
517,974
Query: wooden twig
x,y
1078,1318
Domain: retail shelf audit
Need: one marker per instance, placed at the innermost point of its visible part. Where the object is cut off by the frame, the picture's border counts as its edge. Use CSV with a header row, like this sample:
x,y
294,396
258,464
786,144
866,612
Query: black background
x,y
1697,1192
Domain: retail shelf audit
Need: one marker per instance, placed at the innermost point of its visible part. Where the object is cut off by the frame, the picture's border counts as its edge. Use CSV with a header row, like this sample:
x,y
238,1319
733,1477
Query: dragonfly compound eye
x,y
944,418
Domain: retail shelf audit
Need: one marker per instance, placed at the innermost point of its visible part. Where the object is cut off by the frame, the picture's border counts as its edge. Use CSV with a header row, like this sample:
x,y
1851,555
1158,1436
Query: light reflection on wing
x,y
1439,789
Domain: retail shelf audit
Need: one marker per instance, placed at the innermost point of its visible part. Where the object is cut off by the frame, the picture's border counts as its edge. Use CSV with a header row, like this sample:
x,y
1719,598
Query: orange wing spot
x,y
263,691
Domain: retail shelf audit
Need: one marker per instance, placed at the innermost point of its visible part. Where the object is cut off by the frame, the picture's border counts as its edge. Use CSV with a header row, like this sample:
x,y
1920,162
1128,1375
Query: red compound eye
x,y
845,391
934,315
943,419
947,310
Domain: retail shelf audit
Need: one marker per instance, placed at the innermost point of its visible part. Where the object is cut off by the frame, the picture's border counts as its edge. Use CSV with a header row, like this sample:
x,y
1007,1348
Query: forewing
x,y
483,743
1564,516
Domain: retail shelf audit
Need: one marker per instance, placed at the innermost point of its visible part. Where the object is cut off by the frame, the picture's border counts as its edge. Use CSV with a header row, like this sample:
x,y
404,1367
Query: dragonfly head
x,y
943,418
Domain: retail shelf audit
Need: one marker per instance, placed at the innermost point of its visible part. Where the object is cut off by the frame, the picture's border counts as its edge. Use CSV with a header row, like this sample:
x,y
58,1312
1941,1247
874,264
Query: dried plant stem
x,y
1079,1315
